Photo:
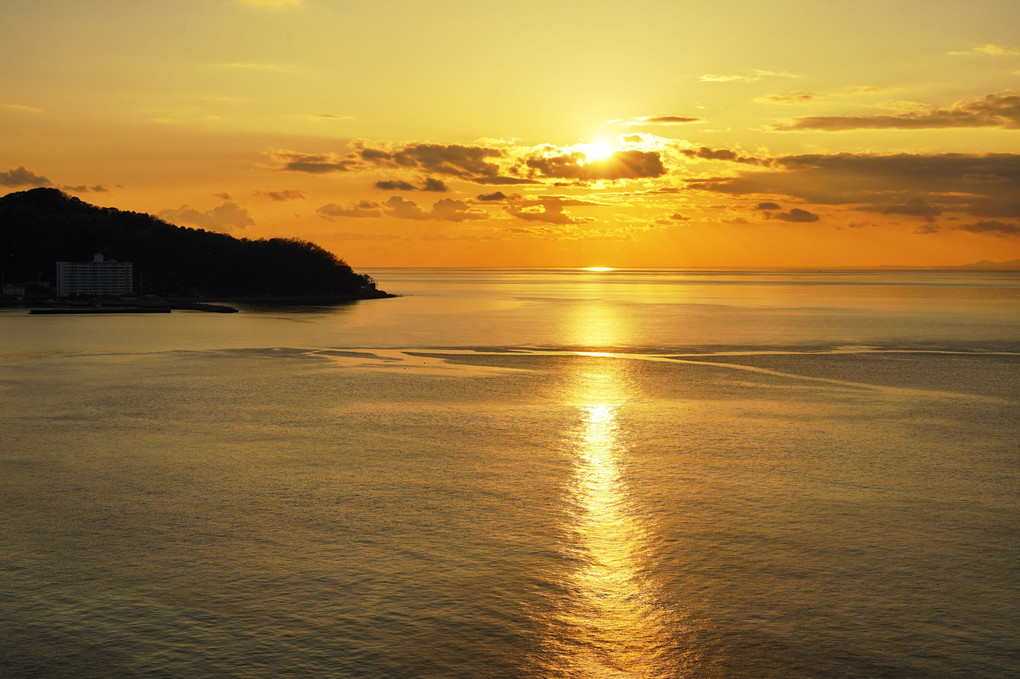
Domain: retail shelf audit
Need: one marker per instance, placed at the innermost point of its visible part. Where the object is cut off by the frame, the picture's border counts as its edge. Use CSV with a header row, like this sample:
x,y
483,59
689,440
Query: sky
x,y
520,134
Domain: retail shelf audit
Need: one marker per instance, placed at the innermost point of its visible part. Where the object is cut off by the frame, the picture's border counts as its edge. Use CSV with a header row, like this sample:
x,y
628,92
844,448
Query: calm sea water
x,y
522,474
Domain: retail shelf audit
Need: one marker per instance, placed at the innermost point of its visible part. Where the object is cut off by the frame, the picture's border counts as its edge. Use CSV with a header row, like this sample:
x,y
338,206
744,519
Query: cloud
x,y
706,153
283,196
916,207
768,205
226,217
256,66
989,50
994,110
446,209
451,210
82,188
1000,210
797,215
995,228
271,4
22,108
454,159
548,209
970,182
19,176
807,96
487,197
394,185
328,116
436,185
504,181
753,76
655,120
625,164
676,216
364,208
315,163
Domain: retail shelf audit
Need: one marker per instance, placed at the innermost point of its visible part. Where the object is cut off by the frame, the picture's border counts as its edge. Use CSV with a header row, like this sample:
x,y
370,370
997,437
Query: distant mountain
x,y
986,265
40,227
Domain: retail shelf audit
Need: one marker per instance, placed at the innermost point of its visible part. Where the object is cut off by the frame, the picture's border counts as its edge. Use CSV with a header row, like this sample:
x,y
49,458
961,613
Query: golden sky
x,y
552,133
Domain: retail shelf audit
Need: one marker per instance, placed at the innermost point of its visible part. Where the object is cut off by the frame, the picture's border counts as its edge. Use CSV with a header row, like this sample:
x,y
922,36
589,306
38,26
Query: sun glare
x,y
597,268
597,150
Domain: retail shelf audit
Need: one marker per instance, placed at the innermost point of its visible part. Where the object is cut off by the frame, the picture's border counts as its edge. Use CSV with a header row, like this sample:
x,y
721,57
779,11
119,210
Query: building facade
x,y
97,278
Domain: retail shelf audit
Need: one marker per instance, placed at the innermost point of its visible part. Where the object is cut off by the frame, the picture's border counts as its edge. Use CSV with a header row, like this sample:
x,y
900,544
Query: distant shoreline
x,y
215,304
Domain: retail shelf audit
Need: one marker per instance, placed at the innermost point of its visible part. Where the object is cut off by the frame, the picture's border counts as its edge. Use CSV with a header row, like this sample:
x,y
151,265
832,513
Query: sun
x,y
597,150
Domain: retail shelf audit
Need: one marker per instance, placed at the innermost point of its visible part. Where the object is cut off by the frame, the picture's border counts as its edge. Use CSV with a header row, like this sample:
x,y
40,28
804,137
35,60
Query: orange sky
x,y
659,134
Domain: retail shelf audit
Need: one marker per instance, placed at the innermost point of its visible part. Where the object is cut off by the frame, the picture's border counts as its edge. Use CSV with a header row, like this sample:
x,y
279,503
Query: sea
x,y
522,473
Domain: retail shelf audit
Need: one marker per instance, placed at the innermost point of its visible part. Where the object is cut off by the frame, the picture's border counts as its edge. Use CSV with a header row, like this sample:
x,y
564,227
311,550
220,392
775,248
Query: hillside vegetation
x,y
42,226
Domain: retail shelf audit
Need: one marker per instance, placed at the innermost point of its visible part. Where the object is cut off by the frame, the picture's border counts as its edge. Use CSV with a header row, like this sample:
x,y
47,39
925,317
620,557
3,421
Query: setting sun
x,y
597,150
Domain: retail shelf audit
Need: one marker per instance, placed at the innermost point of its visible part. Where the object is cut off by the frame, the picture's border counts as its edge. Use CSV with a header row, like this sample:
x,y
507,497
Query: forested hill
x,y
42,226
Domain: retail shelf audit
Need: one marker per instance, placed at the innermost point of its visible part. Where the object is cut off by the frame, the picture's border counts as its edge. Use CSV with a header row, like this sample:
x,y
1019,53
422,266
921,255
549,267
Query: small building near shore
x,y
98,278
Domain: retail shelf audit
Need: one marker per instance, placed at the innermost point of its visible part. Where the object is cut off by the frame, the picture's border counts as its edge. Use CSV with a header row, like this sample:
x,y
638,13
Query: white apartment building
x,y
97,278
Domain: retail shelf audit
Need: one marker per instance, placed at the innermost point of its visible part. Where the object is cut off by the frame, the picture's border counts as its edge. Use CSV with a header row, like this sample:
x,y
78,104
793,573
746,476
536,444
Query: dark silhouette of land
x,y
42,226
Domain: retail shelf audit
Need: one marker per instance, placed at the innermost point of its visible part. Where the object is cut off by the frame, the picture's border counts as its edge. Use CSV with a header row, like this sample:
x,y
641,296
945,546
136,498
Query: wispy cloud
x,y
328,116
809,96
655,120
753,76
994,110
272,4
257,66
283,196
22,108
995,228
989,50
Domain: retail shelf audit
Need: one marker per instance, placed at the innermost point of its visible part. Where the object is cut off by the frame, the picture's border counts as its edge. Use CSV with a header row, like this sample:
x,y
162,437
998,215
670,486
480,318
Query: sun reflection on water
x,y
612,620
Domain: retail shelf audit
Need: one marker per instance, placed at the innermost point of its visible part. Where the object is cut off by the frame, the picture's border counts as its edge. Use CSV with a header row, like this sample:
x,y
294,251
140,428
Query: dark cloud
x,y
1002,210
994,110
676,216
916,207
504,181
454,159
19,176
224,196
373,155
722,154
82,188
969,182
768,205
364,208
316,163
437,185
226,217
797,215
498,195
629,164
394,185
996,228
283,196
